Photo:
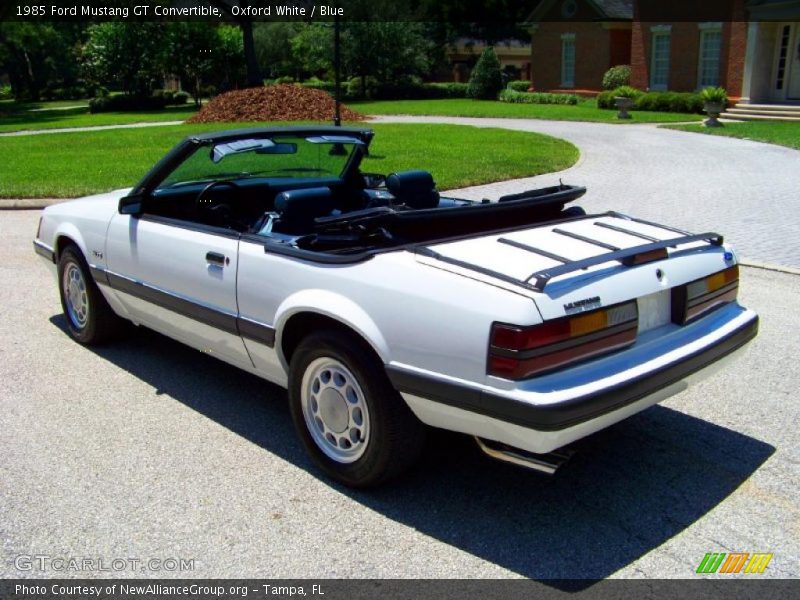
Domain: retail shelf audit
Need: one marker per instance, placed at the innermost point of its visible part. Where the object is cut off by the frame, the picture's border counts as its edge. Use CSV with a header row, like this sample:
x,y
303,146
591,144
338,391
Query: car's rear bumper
x,y
542,414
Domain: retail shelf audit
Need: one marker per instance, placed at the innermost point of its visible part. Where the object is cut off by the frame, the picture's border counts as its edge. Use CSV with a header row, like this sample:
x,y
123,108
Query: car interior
x,y
312,209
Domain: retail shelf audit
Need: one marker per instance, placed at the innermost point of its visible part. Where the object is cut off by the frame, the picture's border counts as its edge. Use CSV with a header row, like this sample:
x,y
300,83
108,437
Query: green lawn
x,y
775,132
16,116
66,165
585,110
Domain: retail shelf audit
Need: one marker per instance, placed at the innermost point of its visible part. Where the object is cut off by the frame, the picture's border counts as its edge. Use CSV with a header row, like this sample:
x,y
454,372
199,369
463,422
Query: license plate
x,y
655,310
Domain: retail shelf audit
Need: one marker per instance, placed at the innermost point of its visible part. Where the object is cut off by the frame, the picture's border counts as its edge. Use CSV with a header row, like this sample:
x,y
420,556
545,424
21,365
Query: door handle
x,y
215,258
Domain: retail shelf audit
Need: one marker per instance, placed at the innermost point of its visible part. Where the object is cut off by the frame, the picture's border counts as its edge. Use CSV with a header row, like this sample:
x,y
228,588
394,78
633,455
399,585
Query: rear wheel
x,y
90,320
351,420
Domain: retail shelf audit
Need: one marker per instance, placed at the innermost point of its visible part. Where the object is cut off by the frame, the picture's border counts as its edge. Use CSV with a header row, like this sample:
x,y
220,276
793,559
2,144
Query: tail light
x,y
519,352
39,229
703,295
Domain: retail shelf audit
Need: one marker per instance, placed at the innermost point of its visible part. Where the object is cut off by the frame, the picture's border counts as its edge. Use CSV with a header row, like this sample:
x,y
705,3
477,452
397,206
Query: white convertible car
x,y
383,307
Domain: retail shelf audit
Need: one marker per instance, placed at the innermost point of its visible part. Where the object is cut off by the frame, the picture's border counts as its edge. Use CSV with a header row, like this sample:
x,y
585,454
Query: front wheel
x,y
90,320
351,420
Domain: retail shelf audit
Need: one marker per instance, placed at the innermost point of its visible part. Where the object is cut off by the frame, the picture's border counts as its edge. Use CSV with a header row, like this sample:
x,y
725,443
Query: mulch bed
x,y
272,103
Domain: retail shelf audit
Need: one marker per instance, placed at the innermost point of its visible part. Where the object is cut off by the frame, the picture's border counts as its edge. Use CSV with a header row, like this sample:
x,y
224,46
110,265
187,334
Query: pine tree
x,y
485,82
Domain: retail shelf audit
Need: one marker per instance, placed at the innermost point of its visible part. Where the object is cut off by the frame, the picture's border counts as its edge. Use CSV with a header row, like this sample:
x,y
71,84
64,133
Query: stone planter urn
x,y
713,110
623,105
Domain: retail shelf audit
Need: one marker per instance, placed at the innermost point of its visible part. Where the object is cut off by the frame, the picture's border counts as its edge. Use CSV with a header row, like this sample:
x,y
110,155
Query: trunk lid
x,y
592,252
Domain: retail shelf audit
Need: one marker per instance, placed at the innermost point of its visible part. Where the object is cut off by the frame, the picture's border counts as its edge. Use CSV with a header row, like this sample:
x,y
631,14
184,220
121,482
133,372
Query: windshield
x,y
280,156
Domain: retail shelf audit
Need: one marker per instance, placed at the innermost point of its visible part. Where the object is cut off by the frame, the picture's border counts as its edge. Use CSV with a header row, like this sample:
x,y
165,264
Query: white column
x,y
749,60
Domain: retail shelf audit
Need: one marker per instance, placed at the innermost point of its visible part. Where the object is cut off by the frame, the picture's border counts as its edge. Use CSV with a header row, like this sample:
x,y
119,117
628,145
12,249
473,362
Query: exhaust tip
x,y
543,463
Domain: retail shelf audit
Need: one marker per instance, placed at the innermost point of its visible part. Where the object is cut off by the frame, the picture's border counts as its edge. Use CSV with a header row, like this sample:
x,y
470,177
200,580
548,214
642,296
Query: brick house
x,y
688,56
574,42
462,55
754,53
771,71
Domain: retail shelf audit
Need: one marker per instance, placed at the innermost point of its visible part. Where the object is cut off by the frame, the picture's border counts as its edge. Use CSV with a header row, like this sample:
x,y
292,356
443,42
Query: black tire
x,y
395,436
95,322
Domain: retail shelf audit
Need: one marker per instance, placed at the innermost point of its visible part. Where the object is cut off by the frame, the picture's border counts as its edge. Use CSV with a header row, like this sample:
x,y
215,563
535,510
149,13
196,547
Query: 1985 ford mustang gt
x,y
384,307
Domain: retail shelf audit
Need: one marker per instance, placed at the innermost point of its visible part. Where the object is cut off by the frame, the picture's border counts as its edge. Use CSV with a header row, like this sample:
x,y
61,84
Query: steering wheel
x,y
217,212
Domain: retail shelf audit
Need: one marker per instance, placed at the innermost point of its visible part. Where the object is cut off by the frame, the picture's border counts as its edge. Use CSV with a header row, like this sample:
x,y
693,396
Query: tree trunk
x,y
254,78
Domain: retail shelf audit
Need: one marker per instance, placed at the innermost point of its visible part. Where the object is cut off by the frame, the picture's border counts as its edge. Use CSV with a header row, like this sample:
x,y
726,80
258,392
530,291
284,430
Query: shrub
x,y
447,90
536,98
315,83
356,88
616,77
208,91
98,104
656,101
325,86
179,98
670,102
486,81
124,102
714,94
5,92
73,92
626,91
520,85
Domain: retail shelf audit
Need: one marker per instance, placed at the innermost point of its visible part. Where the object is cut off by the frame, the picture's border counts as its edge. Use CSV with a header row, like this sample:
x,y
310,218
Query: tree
x,y
273,43
125,55
254,78
389,51
202,53
39,56
312,47
191,44
486,80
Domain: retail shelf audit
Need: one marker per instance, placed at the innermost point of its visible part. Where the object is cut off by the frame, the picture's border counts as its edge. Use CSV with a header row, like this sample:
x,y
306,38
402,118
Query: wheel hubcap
x,y
334,410
75,295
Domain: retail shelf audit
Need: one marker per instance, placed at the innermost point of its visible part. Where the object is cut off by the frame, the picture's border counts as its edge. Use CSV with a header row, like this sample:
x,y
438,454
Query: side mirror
x,y
131,205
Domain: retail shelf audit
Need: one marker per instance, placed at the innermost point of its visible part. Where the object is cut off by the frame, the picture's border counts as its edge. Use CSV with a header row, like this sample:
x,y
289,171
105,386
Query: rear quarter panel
x,y
410,313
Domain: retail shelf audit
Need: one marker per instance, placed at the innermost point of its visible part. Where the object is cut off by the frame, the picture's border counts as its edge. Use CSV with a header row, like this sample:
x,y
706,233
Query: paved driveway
x,y
748,191
147,449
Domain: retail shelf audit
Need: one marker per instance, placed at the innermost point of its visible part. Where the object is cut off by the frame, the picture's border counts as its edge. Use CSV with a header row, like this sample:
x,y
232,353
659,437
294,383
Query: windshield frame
x,y
186,148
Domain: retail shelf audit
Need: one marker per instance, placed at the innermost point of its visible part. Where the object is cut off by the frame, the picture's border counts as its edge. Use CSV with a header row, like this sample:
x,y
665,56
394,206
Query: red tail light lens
x,y
701,296
519,352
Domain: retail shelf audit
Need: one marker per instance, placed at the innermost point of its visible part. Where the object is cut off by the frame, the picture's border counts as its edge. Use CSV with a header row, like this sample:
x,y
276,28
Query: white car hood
x,y
98,205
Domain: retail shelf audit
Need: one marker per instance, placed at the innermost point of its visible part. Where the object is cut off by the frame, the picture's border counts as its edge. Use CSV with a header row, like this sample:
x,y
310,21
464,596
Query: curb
x,y
29,203
768,267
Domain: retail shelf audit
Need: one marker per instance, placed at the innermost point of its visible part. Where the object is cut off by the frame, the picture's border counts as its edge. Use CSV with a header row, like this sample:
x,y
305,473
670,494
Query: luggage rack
x,y
538,280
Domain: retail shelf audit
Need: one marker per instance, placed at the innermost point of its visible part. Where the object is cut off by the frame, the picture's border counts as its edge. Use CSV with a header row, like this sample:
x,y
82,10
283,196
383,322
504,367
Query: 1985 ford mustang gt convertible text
x,y
383,307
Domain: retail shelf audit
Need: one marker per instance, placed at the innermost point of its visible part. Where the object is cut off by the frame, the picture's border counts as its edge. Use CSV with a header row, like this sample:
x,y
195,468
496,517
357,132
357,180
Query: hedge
x,y
123,102
686,102
536,98
393,91
520,85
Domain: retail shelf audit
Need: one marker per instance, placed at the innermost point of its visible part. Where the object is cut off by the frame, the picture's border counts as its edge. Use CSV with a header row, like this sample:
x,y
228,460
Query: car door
x,y
178,278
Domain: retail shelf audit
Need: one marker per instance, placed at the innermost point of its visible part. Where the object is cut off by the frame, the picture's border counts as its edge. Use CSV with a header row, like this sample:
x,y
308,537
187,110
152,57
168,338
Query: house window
x,y
568,60
659,58
710,53
782,55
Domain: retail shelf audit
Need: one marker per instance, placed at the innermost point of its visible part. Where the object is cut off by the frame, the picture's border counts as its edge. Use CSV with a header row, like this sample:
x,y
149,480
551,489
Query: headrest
x,y
292,199
415,189
299,208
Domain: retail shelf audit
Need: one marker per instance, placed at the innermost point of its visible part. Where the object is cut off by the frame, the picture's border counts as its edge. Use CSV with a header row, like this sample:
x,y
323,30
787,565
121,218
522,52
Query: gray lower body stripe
x,y
213,317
